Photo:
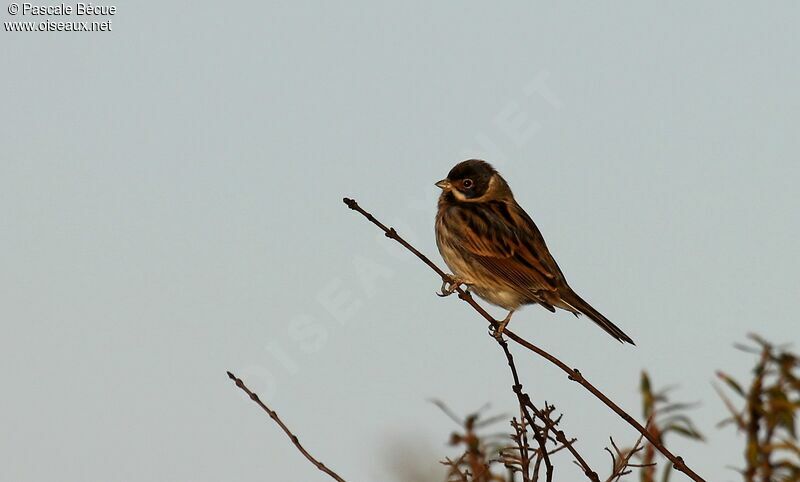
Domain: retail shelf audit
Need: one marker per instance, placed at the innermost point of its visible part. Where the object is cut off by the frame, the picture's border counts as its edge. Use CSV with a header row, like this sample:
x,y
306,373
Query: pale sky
x,y
171,209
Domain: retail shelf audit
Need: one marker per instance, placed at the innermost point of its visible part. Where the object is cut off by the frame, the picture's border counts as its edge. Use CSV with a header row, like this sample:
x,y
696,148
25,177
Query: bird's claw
x,y
496,331
449,286
499,327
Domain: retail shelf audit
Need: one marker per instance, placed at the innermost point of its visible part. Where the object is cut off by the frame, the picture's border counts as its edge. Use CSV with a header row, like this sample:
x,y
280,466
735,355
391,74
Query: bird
x,y
494,248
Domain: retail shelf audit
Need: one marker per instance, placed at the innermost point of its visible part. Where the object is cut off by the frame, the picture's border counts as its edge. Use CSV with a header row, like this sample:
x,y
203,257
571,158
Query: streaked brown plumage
x,y
493,246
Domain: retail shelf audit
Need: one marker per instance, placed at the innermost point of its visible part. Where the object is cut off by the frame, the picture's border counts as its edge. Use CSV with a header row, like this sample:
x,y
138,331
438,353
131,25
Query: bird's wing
x,y
507,244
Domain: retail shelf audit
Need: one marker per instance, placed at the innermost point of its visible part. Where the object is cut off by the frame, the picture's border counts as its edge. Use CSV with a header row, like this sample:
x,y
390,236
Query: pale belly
x,y
507,299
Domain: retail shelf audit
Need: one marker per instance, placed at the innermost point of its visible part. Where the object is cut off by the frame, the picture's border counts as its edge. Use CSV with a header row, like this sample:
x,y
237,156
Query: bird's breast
x,y
464,265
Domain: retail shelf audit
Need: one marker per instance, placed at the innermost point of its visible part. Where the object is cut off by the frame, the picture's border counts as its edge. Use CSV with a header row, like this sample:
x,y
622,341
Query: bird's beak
x,y
444,184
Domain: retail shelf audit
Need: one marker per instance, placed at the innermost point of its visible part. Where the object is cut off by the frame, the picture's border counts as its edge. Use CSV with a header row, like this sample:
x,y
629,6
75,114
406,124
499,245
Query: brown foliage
x,y
768,413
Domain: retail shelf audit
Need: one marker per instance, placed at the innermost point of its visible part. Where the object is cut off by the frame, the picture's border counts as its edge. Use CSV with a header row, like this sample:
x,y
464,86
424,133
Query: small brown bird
x,y
492,246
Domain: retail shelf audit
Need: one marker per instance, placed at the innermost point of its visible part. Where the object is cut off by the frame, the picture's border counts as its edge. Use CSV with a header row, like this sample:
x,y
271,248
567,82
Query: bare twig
x,y
621,462
518,458
274,416
525,402
572,373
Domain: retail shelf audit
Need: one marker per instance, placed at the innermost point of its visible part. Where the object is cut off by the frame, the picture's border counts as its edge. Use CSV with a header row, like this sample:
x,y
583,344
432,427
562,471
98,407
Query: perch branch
x,y
274,416
572,373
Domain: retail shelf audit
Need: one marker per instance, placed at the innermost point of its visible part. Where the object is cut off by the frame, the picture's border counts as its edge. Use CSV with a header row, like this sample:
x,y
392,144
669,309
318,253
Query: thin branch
x,y
274,416
572,373
541,440
620,467
525,401
520,437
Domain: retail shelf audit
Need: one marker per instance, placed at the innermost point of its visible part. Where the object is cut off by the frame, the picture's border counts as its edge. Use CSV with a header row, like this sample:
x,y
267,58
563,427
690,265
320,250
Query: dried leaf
x,y
731,383
688,432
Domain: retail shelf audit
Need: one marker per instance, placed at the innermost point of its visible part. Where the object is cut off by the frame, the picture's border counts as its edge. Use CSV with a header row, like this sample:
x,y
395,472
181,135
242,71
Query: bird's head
x,y
474,181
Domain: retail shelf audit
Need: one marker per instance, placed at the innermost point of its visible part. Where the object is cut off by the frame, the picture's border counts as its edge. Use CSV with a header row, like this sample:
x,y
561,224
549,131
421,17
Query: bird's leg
x,y
501,326
450,285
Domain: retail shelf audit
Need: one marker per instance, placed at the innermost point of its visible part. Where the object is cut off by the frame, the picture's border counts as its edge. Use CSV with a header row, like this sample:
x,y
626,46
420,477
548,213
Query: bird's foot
x,y
450,285
497,330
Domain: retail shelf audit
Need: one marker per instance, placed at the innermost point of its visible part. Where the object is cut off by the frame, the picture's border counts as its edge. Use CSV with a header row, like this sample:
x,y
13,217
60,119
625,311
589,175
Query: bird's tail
x,y
582,306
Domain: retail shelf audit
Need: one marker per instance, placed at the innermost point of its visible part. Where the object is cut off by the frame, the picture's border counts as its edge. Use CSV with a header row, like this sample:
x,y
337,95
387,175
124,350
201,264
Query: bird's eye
x,y
467,183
